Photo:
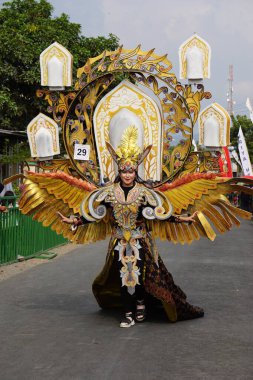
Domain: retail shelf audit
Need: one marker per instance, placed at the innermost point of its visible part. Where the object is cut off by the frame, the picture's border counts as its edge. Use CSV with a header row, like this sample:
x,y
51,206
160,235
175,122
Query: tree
x,y
26,29
19,151
247,128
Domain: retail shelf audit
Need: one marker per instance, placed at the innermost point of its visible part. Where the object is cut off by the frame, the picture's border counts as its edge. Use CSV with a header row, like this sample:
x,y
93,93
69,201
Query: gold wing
x,y
46,193
203,193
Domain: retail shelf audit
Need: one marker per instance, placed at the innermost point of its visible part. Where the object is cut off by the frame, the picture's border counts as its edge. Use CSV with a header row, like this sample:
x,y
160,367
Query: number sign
x,y
82,152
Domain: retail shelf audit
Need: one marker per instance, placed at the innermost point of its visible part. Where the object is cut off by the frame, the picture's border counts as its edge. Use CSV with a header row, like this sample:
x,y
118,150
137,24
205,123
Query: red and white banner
x,y
225,163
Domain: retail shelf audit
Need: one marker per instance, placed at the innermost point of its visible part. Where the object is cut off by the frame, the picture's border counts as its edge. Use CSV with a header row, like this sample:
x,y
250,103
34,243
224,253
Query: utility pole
x,y
230,102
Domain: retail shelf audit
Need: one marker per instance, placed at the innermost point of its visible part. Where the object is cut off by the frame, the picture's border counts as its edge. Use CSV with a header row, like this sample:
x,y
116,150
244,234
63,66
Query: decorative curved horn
x,y
112,151
144,154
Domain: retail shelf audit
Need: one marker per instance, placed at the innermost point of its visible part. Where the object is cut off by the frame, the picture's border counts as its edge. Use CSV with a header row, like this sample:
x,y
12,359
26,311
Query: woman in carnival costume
x,y
134,214
133,265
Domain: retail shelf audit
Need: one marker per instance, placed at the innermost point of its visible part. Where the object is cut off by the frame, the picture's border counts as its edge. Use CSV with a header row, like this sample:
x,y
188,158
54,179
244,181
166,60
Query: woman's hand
x,y
188,219
64,219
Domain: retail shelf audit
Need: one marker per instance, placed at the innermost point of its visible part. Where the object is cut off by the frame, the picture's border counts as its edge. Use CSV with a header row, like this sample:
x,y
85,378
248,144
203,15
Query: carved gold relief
x,y
201,162
222,117
42,121
63,165
203,47
128,97
63,56
124,60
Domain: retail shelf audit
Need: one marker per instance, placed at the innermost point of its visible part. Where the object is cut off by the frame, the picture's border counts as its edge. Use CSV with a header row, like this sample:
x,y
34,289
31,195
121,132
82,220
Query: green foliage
x,y
247,128
14,153
26,29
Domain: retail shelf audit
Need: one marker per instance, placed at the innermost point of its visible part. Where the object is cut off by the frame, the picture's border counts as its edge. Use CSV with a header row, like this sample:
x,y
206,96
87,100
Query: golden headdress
x,y
128,155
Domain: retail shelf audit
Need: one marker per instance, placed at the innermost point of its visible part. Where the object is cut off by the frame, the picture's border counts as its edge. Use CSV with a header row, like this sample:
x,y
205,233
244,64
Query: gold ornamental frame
x,y
74,110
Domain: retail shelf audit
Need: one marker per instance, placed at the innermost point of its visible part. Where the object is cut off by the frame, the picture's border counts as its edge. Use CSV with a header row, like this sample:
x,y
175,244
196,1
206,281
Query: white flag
x,y
248,105
235,156
244,155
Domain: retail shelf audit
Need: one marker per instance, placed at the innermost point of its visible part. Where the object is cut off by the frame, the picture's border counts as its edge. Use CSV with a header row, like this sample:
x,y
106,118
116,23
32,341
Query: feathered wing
x,y
204,193
47,193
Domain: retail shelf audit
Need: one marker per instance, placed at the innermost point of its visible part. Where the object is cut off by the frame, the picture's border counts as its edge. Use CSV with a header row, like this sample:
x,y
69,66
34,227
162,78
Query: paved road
x,y
52,328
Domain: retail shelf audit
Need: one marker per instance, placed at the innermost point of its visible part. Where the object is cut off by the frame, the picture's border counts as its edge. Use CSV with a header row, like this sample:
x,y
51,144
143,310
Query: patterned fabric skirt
x,y
158,283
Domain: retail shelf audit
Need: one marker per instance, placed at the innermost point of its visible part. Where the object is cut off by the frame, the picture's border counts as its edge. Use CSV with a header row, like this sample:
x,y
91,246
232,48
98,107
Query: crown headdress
x,y
128,155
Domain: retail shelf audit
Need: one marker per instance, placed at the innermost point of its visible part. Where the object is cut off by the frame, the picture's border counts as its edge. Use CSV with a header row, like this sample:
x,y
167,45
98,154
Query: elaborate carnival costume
x,y
132,217
132,252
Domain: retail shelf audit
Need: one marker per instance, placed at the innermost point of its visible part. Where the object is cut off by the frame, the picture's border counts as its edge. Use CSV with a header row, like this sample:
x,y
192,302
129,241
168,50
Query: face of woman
x,y
127,177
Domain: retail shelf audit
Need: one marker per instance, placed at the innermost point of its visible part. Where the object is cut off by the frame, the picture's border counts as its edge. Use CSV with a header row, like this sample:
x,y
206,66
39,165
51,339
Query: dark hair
x,y
138,179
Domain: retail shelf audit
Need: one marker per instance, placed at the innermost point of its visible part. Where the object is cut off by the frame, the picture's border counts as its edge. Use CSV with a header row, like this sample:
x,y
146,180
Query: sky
x,y
227,25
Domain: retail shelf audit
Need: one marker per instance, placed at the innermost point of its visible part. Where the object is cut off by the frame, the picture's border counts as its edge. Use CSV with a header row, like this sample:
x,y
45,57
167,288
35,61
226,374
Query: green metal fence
x,y
20,235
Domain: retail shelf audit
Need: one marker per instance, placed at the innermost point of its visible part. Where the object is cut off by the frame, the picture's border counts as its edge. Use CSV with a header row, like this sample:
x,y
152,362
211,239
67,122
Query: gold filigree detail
x,y
124,60
57,165
58,104
201,162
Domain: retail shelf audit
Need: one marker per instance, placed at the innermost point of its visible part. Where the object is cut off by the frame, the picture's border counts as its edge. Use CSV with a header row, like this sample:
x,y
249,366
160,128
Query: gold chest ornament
x,y
125,211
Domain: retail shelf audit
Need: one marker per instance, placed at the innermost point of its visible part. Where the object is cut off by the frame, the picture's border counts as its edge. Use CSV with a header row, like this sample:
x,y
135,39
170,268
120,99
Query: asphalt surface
x,y
52,328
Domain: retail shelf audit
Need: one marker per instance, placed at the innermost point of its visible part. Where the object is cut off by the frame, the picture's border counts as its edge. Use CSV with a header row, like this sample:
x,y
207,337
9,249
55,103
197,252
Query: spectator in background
x,y
8,202
2,208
